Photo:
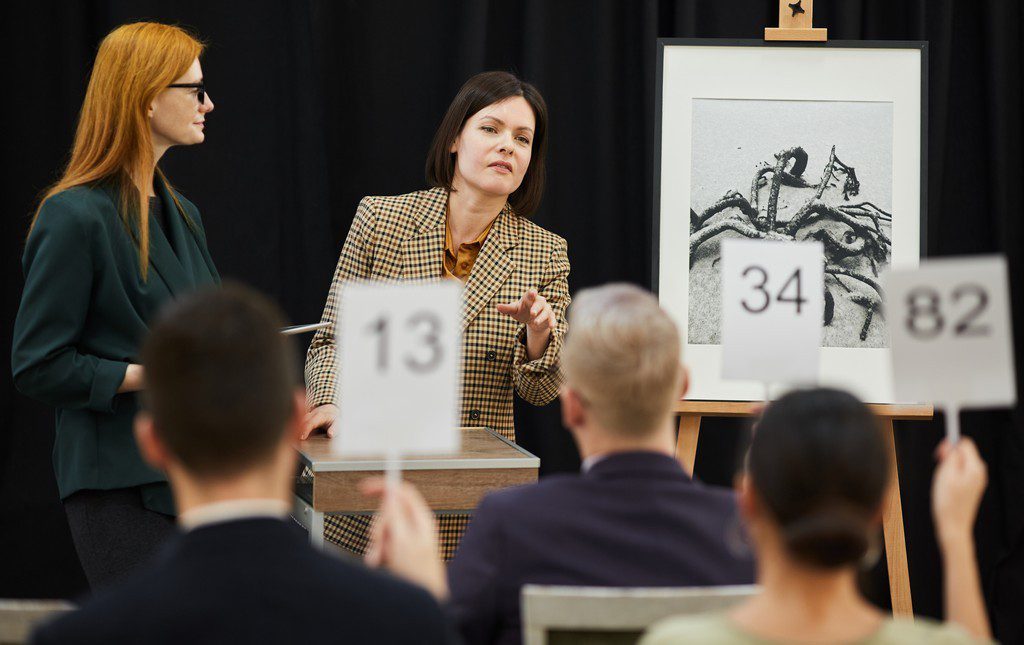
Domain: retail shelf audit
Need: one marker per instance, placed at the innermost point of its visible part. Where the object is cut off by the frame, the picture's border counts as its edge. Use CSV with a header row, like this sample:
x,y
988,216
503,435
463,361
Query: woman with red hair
x,y
111,242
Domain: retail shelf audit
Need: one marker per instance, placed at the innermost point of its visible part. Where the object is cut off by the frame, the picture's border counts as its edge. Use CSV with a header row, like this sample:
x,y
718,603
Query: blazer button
x,y
491,356
474,415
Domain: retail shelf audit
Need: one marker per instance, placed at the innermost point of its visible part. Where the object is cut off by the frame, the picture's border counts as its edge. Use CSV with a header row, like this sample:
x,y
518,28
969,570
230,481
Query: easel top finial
x,y
796,23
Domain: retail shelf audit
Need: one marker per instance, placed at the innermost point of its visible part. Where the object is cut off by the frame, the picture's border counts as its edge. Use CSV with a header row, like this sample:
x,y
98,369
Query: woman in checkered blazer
x,y
486,165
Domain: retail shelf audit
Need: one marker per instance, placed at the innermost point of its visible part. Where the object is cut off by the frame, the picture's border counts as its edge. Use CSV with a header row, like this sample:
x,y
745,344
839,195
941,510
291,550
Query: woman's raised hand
x,y
403,538
957,488
533,310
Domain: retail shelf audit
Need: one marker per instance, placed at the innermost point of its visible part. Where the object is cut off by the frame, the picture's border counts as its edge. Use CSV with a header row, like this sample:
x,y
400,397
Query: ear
x,y
746,498
563,399
152,448
297,417
455,144
574,411
876,519
684,386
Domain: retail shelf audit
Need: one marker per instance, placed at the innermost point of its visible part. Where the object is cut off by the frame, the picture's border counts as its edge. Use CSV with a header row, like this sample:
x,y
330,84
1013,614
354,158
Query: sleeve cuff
x,y
108,377
316,399
544,363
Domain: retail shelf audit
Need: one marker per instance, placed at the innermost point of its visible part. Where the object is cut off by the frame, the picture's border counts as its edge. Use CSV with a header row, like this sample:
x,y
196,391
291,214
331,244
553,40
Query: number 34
x,y
791,284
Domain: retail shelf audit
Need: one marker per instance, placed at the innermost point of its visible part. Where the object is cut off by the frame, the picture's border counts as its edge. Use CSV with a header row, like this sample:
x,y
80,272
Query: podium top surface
x,y
481,448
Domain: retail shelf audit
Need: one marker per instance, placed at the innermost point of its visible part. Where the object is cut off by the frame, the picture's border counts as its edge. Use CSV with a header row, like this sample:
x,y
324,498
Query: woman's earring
x,y
737,542
874,552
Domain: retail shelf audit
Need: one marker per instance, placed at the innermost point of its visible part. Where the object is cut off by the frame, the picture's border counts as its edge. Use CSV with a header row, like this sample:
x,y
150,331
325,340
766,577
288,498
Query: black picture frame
x,y
738,75
662,43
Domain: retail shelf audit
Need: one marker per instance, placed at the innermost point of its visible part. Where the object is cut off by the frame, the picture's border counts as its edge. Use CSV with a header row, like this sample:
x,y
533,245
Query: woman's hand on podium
x,y
322,416
403,538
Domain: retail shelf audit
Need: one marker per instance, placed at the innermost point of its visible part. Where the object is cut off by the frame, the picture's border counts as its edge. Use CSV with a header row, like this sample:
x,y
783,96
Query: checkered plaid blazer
x,y
402,238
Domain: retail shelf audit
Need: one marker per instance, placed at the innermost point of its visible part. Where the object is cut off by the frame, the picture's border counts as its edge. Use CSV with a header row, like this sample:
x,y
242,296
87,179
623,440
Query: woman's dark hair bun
x,y
818,463
827,539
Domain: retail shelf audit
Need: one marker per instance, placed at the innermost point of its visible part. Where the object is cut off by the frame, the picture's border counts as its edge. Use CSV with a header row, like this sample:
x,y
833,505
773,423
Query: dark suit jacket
x,y
252,581
634,519
84,312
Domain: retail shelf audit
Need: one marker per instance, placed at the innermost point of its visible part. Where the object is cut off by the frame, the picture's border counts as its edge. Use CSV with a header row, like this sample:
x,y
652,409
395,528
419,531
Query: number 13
x,y
431,341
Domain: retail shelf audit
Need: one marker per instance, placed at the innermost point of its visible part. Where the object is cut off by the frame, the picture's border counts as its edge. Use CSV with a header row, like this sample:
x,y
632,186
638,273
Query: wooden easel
x,y
691,412
795,20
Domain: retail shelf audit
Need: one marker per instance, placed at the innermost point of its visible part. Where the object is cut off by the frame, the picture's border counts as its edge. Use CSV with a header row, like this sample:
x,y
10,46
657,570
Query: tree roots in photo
x,y
855,236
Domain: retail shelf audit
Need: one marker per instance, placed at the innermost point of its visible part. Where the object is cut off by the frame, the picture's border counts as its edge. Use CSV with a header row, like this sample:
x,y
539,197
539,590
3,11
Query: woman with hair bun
x,y
110,243
811,498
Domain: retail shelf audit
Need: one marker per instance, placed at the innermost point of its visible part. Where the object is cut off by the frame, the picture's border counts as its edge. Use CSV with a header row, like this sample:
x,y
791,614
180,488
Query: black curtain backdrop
x,y
321,102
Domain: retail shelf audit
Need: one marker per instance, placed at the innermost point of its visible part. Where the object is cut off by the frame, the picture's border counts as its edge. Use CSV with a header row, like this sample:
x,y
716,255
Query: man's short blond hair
x,y
623,356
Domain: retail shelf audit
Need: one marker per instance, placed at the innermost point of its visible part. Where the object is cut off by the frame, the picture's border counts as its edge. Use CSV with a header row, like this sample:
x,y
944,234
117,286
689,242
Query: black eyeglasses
x,y
199,87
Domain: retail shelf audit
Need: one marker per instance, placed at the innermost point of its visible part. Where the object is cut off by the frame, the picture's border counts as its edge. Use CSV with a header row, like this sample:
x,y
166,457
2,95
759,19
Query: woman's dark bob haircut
x,y
480,91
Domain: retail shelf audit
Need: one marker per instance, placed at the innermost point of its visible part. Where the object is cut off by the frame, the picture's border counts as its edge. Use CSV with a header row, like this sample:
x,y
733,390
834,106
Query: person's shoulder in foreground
x,y
252,581
623,474
222,424
718,629
572,529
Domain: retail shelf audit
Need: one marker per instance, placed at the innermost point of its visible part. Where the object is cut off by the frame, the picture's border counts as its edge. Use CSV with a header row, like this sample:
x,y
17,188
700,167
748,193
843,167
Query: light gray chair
x,y
554,615
18,617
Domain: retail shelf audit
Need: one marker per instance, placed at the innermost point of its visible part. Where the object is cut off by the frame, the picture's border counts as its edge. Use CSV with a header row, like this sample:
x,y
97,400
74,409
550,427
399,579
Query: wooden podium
x,y
449,483
690,413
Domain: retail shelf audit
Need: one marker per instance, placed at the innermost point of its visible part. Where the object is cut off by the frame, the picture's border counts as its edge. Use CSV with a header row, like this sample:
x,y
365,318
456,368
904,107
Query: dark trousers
x,y
114,533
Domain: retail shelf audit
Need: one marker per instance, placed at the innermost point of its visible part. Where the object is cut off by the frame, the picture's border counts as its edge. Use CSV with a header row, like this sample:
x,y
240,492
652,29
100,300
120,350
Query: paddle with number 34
x,y
772,307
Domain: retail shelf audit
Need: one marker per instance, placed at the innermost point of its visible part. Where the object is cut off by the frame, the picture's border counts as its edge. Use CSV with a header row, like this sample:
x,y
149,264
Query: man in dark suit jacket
x,y
633,517
223,416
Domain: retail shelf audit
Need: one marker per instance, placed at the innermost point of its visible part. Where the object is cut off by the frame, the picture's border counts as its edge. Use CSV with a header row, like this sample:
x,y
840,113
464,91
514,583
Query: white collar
x,y
591,461
232,509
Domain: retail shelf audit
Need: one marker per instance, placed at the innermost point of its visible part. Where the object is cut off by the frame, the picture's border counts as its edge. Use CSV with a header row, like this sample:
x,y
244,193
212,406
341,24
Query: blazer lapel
x,y
188,243
161,256
492,266
181,236
422,253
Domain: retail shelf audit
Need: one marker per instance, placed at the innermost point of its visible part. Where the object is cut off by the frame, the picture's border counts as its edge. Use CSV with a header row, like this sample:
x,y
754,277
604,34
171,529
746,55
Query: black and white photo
x,y
795,171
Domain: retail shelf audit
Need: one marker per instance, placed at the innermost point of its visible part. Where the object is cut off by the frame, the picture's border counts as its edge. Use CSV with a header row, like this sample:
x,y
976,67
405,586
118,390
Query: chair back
x,y
557,615
19,617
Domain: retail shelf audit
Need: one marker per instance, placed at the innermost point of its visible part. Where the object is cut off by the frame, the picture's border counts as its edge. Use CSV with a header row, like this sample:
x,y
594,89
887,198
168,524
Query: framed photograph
x,y
790,142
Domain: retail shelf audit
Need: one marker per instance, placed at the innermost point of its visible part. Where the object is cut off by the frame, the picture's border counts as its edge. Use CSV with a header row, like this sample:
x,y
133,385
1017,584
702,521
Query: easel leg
x,y
686,441
895,540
